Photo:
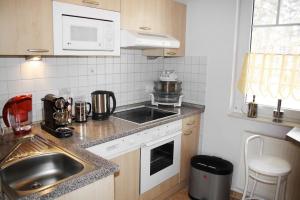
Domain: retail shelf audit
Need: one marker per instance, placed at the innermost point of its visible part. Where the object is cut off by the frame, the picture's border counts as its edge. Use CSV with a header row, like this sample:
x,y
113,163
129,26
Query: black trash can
x,y
210,178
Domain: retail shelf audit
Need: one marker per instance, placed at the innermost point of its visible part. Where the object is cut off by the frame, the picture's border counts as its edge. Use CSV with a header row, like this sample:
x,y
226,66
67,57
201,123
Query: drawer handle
x,y
145,28
37,50
96,3
171,53
190,132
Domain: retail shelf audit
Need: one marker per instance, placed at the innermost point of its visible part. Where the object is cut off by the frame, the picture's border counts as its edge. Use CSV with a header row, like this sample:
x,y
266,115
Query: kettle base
x,y
99,116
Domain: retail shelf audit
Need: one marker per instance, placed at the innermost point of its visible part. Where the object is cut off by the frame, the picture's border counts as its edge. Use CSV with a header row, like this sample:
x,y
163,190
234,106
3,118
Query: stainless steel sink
x,y
36,165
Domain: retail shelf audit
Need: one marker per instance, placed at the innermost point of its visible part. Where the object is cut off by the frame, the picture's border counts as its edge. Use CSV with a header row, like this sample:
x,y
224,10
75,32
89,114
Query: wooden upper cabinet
x,y
26,27
145,16
175,26
103,4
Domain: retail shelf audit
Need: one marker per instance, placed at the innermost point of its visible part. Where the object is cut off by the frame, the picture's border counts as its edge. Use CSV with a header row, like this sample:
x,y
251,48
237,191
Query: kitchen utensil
x,y
278,114
101,108
81,111
252,108
17,113
168,87
168,90
168,75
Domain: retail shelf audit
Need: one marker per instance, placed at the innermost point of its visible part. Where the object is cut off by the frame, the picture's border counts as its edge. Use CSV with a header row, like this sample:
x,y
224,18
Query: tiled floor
x,y
183,195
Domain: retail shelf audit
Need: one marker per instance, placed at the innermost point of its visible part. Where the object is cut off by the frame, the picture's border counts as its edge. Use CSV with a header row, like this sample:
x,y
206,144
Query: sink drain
x,y
36,185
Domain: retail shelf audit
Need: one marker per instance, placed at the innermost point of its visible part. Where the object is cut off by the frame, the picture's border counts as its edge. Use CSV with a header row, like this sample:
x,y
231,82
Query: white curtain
x,y
271,75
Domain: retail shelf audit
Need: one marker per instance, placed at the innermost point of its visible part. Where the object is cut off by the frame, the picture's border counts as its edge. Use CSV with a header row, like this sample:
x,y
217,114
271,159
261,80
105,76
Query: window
x,y
276,29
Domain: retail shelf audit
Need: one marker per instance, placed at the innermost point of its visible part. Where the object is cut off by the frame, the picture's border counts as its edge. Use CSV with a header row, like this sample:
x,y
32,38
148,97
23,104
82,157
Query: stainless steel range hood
x,y
131,39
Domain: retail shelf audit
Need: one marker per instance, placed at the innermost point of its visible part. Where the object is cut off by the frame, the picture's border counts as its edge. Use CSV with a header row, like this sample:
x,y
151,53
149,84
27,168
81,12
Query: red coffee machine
x,y
17,113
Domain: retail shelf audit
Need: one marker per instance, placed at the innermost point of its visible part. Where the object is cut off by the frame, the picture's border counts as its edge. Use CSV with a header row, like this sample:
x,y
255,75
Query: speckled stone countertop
x,y
90,134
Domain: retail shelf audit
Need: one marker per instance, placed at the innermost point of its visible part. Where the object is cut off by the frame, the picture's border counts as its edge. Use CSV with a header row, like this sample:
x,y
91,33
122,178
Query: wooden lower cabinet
x,y
102,189
189,147
127,180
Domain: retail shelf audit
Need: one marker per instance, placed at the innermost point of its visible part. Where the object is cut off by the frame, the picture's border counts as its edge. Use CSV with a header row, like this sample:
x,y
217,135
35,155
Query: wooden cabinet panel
x,y
103,4
190,122
26,27
102,189
175,26
144,16
189,147
127,180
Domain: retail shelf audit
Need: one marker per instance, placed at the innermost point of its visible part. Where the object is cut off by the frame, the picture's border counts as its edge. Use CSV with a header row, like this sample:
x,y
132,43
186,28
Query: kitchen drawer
x,y
191,122
102,4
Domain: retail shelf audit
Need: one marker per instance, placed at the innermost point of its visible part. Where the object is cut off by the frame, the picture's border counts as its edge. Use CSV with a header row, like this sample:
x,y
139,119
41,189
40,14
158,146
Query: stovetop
x,y
143,114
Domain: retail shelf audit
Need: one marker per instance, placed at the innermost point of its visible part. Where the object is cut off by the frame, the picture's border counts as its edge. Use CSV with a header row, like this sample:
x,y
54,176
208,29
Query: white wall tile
x,y
129,76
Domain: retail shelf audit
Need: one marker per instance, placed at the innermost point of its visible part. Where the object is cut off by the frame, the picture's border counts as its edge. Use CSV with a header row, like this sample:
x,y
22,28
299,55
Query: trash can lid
x,y
212,164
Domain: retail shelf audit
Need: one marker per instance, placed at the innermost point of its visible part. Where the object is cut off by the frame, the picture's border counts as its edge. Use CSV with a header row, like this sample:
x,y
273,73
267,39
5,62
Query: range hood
x,y
131,39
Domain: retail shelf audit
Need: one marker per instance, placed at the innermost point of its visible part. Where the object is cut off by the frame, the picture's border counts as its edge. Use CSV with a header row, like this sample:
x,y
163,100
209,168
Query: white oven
x,y
160,152
160,158
80,30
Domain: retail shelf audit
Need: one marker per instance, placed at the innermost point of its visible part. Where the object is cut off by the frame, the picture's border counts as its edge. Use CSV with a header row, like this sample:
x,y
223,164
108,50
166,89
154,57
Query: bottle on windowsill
x,y
252,109
278,114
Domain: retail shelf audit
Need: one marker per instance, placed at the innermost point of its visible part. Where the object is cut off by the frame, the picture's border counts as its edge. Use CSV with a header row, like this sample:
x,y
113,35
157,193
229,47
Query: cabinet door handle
x,y
145,28
190,132
96,3
171,53
37,50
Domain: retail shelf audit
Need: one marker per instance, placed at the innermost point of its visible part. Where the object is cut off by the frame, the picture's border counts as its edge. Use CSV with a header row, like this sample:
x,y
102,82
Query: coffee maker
x,y
57,115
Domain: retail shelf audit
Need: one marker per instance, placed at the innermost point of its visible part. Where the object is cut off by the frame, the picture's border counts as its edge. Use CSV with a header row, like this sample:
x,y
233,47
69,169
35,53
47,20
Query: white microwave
x,y
80,30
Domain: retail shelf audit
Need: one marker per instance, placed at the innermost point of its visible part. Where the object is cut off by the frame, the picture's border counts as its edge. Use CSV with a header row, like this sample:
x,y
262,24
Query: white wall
x,y
210,32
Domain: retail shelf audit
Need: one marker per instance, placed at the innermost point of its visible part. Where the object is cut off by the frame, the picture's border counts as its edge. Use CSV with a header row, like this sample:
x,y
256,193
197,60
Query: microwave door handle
x,y
162,139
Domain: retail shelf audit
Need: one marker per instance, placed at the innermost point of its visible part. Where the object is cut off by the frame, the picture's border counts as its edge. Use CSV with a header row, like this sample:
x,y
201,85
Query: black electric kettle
x,y
101,104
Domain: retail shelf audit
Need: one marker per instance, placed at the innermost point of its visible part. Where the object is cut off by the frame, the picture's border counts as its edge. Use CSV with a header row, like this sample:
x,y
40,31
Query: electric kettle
x,y
17,113
101,108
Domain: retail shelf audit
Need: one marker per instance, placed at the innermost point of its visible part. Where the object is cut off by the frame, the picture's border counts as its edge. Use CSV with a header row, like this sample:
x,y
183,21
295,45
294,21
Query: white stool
x,y
265,167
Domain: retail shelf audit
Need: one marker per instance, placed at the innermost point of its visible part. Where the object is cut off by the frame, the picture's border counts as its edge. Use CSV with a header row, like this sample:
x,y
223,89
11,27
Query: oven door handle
x,y
164,138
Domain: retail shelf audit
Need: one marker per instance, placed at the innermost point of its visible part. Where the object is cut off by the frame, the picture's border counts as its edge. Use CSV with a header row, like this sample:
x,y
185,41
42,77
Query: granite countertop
x,y
90,134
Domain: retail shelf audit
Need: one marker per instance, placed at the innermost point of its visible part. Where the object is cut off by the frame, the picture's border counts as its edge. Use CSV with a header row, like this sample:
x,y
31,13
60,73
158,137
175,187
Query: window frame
x,y
242,45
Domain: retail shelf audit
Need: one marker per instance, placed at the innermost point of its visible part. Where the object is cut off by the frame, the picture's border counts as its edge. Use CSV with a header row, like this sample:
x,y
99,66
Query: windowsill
x,y
284,123
294,135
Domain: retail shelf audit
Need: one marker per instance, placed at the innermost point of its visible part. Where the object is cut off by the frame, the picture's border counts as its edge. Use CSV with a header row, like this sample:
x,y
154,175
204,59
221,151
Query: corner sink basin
x,y
40,171
36,165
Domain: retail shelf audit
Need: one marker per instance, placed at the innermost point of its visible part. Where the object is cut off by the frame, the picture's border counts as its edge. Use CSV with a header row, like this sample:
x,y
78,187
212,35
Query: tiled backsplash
x,y
129,76
192,72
